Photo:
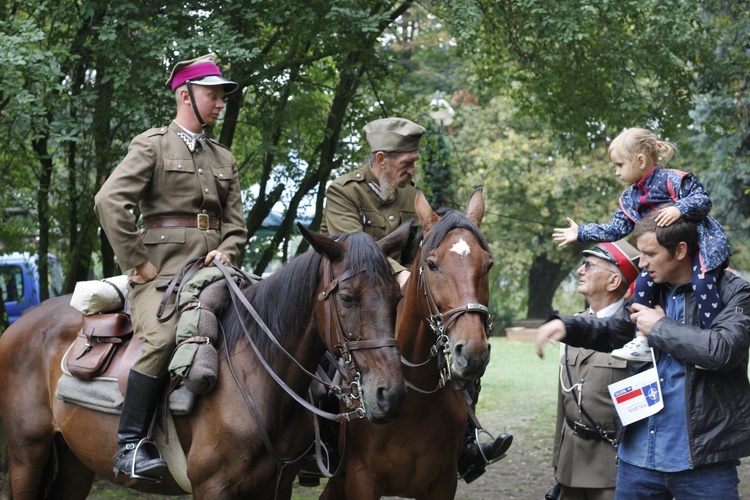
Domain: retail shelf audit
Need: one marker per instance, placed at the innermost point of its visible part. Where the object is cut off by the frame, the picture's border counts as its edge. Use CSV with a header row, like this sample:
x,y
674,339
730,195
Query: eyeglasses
x,y
587,264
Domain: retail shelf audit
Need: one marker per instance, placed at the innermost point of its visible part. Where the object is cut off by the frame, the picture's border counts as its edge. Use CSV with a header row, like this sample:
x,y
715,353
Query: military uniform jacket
x,y
161,177
587,463
352,205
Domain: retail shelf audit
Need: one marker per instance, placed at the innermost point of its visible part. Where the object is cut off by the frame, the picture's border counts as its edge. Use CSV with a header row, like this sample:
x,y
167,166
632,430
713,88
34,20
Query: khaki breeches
x,y
158,337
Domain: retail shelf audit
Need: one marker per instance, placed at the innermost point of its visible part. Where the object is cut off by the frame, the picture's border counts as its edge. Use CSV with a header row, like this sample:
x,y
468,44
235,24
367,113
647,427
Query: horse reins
x,y
237,296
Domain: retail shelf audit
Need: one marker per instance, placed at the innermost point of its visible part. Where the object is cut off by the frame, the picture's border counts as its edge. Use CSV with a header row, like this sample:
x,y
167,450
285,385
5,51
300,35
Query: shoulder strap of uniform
x,y
214,141
156,131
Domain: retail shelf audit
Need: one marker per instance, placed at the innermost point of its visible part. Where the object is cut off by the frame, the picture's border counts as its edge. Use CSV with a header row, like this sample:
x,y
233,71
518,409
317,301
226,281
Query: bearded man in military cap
x,y
376,199
187,190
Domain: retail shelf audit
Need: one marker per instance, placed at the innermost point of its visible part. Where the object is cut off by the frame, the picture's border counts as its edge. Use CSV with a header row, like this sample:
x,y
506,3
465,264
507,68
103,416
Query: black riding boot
x,y
141,399
476,456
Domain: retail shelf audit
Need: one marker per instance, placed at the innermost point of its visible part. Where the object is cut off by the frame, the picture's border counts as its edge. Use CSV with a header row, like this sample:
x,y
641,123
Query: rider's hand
x,y
216,255
143,273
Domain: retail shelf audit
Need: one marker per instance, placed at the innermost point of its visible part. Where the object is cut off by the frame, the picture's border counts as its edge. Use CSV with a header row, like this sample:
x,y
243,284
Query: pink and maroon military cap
x,y
200,71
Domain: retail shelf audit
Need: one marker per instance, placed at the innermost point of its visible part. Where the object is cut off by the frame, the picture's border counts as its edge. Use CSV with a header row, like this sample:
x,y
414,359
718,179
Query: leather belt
x,y
587,432
200,221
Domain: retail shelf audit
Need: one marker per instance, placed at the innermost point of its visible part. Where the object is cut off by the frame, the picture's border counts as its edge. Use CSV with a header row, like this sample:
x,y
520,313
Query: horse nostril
x,y
458,349
390,398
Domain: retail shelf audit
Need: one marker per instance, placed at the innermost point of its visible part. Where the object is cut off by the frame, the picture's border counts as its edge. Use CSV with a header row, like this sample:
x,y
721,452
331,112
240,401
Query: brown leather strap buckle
x,y
202,222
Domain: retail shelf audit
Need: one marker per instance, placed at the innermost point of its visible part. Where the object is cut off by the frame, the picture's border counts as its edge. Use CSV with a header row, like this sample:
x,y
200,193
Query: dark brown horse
x,y
445,305
55,447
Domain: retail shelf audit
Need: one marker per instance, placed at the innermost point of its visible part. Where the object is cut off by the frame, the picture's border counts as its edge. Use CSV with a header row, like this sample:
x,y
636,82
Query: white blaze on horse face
x,y
461,248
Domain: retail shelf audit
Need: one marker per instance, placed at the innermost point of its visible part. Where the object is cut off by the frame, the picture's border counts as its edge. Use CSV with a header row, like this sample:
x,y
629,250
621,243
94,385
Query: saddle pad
x,y
103,394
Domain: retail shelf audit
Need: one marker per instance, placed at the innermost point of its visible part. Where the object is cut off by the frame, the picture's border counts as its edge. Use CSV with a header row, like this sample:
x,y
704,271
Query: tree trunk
x,y
544,278
42,199
345,92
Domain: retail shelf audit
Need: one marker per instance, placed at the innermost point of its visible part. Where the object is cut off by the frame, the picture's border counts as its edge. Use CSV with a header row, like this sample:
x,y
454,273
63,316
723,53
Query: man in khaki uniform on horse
x,y
187,190
378,198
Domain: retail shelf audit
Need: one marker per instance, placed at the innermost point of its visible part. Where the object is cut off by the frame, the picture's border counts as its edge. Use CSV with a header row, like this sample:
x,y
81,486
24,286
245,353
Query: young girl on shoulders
x,y
637,155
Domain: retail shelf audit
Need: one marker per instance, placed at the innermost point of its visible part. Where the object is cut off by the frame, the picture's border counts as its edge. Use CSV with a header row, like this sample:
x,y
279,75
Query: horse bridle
x,y
439,323
350,396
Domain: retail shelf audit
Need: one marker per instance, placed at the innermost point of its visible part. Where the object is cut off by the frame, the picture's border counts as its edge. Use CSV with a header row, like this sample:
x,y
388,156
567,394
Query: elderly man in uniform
x,y
186,188
585,451
380,196
376,199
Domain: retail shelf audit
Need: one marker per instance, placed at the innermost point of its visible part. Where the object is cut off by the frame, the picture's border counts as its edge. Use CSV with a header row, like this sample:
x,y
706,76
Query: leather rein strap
x,y
238,298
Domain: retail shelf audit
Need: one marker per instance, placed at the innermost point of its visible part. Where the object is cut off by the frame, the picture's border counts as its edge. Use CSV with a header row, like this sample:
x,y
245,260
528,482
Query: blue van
x,y
19,281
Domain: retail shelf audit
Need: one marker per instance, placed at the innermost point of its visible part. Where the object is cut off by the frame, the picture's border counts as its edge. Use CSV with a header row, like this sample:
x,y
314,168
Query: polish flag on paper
x,y
626,394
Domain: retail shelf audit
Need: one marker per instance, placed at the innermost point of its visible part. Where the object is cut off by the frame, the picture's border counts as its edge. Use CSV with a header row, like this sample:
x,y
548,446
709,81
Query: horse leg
x,y
442,489
29,451
335,489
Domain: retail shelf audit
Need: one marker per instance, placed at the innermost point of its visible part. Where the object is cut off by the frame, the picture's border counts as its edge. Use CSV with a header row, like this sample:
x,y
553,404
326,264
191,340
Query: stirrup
x,y
134,448
487,461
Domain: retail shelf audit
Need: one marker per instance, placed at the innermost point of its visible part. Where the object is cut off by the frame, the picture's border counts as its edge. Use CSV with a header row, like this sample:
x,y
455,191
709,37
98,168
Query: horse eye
x,y
432,266
492,264
346,299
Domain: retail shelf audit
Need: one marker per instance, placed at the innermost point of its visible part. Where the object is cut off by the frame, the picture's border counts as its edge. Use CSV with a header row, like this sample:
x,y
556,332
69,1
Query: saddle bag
x,y
99,338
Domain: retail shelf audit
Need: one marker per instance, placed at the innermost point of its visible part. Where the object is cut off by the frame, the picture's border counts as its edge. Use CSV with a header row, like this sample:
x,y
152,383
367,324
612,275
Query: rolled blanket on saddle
x,y
195,360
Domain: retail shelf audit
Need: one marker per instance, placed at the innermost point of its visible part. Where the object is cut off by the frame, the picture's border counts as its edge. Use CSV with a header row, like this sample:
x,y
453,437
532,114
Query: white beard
x,y
388,189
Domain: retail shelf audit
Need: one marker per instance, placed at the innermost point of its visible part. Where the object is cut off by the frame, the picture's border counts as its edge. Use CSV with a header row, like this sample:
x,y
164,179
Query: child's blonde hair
x,y
636,141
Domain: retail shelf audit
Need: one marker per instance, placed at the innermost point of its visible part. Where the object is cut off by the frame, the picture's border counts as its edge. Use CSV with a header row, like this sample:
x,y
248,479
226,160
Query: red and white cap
x,y
620,253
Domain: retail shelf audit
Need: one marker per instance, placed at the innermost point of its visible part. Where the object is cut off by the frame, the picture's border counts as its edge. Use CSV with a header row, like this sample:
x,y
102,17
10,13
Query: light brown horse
x,y
446,297
55,447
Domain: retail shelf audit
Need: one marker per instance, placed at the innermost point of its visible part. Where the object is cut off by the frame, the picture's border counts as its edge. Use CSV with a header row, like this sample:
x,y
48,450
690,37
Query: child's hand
x,y
566,235
667,216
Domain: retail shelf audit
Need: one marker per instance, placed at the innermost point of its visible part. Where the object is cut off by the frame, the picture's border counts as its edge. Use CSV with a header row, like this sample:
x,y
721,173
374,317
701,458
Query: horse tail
x,y
52,468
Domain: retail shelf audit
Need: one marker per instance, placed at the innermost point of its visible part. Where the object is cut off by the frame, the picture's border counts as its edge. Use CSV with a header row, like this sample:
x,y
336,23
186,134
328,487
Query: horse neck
x,y
298,338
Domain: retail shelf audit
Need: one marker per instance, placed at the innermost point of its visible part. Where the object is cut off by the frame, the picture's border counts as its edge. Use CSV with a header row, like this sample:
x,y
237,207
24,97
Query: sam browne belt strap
x,y
587,432
200,221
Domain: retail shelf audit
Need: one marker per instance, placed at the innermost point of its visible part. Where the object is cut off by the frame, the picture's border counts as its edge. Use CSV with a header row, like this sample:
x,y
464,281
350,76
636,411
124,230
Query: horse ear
x,y
397,239
424,210
475,207
324,245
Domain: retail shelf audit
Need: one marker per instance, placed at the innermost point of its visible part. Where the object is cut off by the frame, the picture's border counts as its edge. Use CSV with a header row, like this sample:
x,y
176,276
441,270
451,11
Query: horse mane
x,y
293,288
364,254
450,219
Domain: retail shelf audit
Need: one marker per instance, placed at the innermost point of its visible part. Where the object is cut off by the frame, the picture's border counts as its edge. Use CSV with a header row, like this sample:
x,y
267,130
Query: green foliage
x,y
539,87
530,187
591,66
